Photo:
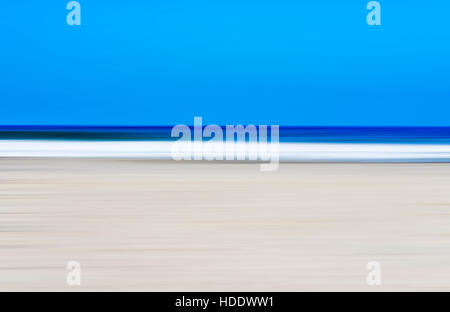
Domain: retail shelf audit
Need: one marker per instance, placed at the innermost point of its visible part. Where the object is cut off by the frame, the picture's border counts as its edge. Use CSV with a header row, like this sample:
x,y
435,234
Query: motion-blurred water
x,y
297,144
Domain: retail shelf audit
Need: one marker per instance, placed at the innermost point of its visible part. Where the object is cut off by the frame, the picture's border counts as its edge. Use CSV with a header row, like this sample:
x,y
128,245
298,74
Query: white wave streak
x,y
296,152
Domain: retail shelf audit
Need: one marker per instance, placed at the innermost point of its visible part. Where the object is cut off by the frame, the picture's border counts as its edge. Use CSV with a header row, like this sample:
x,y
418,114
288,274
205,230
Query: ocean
x,y
296,144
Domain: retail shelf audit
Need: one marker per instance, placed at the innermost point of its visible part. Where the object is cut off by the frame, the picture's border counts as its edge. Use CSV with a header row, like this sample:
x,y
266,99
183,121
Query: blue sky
x,y
254,62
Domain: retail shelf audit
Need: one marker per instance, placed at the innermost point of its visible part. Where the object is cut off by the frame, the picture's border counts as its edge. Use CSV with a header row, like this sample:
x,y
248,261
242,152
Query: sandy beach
x,y
198,226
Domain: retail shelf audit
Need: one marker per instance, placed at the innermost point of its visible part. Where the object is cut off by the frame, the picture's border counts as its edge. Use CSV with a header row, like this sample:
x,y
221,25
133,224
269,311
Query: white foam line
x,y
297,152
363,152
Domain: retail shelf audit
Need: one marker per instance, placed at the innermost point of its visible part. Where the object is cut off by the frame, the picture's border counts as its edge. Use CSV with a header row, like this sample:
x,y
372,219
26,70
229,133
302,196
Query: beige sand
x,y
166,226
